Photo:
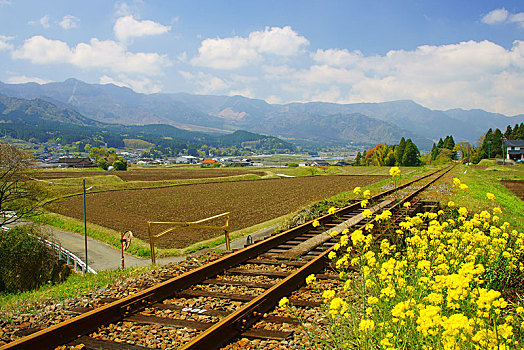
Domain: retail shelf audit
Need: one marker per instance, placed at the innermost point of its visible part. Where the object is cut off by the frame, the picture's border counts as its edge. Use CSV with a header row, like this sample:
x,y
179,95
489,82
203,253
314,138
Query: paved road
x,y
101,256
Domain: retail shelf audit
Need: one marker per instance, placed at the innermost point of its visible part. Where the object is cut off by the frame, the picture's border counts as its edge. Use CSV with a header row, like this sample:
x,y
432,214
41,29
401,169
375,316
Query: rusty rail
x,y
223,331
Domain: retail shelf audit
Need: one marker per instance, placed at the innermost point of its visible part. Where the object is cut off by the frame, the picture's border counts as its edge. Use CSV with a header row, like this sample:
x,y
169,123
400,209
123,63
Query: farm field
x,y
515,186
152,174
250,203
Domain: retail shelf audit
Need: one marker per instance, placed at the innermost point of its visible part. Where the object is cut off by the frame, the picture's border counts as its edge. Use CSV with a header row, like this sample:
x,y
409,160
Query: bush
x,y
26,263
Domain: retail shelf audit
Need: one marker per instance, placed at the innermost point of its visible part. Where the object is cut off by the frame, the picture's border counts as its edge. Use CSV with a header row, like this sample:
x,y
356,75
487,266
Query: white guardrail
x,y
70,258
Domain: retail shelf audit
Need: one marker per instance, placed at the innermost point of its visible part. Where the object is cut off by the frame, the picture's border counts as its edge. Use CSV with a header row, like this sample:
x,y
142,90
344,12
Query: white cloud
x,y
228,53
278,41
496,16
144,85
5,2
4,43
69,21
236,52
21,79
39,49
126,28
468,74
337,58
43,21
207,83
247,92
500,16
108,55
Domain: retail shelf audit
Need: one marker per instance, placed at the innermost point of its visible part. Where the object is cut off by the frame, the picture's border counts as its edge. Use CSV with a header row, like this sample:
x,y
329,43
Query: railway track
x,y
222,301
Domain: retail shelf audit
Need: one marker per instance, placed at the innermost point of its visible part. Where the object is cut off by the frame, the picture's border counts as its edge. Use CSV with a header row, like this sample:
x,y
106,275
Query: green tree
x,y
496,146
399,151
120,164
358,158
449,143
434,152
411,154
440,143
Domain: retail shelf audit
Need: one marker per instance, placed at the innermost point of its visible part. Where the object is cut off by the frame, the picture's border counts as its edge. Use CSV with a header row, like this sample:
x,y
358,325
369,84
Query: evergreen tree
x,y
440,143
399,151
508,132
449,143
434,152
519,135
411,154
496,145
486,147
358,159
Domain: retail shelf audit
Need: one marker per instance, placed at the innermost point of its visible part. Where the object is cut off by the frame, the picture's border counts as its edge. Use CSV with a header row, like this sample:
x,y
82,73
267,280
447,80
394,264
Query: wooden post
x,y
151,243
122,249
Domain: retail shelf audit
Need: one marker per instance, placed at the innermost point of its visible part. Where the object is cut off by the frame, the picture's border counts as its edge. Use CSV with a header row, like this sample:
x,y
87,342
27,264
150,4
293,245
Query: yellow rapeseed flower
x,y
311,279
357,190
451,204
367,214
463,187
456,182
332,210
367,194
316,223
490,196
283,302
394,171
364,203
366,325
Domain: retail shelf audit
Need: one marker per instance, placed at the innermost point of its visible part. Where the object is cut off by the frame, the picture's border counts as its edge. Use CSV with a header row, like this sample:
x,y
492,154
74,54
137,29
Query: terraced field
x,y
250,203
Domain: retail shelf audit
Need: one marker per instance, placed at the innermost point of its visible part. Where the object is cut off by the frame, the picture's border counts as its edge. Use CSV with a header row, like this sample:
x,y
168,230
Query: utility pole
x,y
503,153
85,221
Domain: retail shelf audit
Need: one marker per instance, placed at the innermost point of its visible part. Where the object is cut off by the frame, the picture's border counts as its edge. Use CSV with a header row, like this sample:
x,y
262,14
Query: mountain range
x,y
320,122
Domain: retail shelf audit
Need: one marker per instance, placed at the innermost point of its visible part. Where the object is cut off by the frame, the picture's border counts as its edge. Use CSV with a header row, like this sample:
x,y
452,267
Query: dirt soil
x,y
149,174
515,186
250,203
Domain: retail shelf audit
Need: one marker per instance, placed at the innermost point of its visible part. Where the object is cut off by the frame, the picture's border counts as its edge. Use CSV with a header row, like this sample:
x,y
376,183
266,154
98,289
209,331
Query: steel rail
x,y
233,325
69,330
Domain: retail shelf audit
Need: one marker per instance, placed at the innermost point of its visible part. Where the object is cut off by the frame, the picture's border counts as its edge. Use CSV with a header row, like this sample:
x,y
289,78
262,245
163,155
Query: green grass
x,y
481,181
75,285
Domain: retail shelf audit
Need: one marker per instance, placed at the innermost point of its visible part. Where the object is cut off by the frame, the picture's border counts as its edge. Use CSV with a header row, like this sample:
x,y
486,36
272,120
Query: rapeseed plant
x,y
437,288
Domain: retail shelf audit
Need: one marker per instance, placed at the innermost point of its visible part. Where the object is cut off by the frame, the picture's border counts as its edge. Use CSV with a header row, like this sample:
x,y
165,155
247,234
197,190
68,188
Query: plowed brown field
x,y
515,186
250,203
149,174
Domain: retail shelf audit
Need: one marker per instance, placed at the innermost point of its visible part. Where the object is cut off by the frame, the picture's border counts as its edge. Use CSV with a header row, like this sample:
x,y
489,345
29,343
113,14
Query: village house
x,y
515,149
209,162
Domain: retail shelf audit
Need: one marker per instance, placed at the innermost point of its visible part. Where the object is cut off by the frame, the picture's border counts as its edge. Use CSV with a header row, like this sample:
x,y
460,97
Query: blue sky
x,y
441,54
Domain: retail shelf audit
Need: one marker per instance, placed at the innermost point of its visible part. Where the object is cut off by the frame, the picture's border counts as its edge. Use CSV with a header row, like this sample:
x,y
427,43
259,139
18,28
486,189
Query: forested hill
x,y
40,121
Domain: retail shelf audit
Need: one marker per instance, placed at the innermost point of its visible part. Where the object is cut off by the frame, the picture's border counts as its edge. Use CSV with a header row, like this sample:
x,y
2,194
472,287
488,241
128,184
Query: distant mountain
x,y
317,121
34,111
42,120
